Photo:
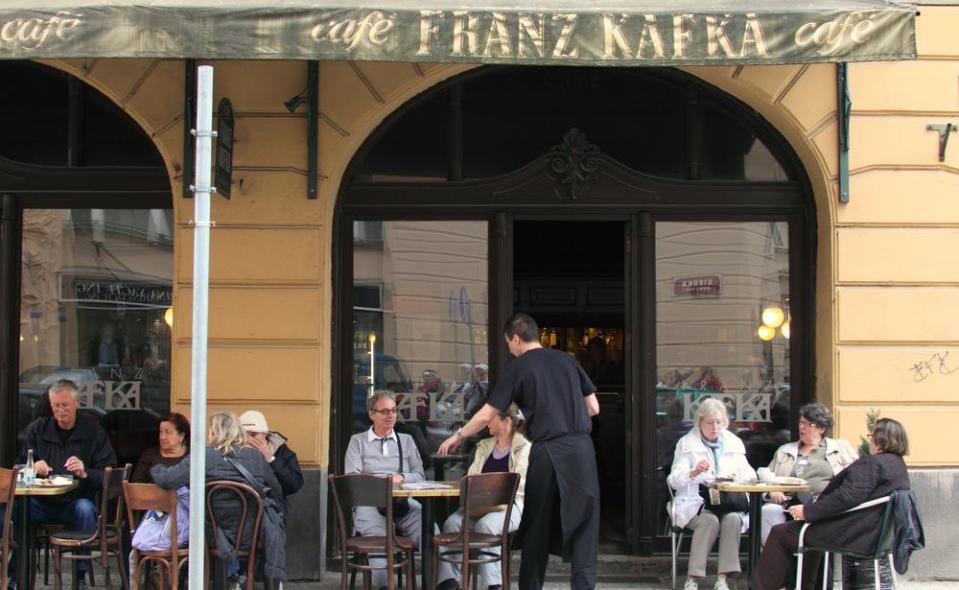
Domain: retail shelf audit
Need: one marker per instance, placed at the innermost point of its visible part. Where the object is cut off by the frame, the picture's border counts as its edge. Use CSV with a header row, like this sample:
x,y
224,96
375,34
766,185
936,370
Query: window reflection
x,y
95,288
717,285
420,327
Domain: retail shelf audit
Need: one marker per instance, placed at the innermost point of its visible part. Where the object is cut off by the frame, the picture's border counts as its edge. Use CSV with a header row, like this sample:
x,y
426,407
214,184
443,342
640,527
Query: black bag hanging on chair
x,y
720,503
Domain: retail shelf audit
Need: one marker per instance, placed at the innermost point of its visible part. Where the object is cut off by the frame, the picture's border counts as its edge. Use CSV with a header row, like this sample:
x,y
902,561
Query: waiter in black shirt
x,y
562,492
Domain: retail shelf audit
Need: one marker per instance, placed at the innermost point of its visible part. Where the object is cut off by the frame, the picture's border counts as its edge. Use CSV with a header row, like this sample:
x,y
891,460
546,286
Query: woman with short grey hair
x,y
708,451
814,457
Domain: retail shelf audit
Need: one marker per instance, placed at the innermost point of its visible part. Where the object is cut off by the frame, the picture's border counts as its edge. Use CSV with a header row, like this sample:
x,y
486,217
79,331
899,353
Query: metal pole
x,y
201,280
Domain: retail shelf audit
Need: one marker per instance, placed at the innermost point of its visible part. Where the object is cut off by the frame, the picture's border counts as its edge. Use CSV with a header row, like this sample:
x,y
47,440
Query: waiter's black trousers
x,y
542,530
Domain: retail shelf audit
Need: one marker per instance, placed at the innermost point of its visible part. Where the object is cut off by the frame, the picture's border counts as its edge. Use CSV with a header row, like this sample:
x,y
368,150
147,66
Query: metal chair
x,y
8,490
483,493
360,489
676,533
107,536
222,496
139,498
882,550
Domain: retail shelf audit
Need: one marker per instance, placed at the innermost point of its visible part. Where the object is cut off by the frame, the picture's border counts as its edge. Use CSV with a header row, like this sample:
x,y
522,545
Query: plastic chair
x,y
245,533
8,490
483,493
360,489
139,498
105,539
882,550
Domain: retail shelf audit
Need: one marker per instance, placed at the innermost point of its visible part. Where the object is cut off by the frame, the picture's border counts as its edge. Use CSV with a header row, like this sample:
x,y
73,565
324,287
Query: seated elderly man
x,y
68,444
382,451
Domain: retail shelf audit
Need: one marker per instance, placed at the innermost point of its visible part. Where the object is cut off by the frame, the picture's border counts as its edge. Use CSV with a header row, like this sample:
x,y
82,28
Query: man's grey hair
x,y
65,385
377,396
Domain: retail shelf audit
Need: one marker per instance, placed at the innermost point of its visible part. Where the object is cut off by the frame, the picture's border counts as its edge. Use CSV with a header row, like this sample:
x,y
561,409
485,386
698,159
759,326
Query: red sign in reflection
x,y
697,285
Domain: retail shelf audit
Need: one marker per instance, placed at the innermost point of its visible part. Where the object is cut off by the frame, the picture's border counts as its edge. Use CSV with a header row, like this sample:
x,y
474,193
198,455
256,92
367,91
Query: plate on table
x,y
57,480
783,480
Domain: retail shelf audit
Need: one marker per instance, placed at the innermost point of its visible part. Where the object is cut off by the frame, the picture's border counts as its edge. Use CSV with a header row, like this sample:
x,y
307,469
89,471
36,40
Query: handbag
x,y
721,503
154,531
401,506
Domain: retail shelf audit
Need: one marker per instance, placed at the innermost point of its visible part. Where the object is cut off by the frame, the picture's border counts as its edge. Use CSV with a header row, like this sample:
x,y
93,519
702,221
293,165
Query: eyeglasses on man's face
x,y
386,411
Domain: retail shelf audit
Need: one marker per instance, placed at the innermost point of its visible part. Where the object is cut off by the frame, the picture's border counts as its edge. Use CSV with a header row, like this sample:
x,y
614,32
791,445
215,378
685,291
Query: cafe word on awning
x,y
567,32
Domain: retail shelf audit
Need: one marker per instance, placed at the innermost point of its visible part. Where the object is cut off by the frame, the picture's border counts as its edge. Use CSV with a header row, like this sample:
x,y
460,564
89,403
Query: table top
x,y
46,490
738,486
450,492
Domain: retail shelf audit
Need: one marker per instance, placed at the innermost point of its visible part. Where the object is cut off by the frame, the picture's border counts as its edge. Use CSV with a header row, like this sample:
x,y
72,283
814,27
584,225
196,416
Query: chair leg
x,y
825,570
674,551
46,562
892,572
105,562
124,579
875,571
57,569
411,571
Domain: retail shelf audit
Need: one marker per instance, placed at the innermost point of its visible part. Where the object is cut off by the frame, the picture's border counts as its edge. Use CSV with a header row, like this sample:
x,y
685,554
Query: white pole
x,y
201,281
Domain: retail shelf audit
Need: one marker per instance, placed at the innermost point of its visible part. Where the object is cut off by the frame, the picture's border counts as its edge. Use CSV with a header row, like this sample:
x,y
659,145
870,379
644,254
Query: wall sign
x,y
697,286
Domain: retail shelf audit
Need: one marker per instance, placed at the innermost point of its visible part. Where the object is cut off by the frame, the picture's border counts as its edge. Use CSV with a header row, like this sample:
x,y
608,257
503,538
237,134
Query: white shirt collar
x,y
371,436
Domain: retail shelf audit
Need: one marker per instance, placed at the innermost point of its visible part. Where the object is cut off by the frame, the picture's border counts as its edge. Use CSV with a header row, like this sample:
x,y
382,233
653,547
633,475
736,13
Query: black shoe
x,y
448,584
81,583
494,587
12,583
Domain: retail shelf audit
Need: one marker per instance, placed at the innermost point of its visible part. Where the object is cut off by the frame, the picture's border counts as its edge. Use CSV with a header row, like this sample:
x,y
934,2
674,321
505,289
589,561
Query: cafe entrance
x,y
657,229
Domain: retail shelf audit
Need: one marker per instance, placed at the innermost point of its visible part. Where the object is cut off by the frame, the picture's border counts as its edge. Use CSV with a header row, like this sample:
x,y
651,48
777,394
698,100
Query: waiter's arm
x,y
479,420
592,404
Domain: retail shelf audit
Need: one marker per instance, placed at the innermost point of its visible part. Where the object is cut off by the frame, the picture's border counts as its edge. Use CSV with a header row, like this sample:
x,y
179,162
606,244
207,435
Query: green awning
x,y
557,32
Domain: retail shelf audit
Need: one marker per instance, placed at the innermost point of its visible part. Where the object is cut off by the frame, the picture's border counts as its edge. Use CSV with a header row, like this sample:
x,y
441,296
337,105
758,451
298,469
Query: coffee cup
x,y
764,474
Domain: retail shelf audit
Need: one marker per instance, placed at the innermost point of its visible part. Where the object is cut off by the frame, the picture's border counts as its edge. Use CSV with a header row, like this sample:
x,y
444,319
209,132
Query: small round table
x,y
756,491
426,498
23,494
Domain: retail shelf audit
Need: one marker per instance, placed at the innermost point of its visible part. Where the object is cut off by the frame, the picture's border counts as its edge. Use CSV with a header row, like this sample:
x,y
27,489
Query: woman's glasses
x,y
386,411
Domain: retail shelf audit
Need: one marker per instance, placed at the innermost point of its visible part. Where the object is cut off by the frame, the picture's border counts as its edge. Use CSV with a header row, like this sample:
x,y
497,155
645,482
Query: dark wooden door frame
x,y
28,186
610,191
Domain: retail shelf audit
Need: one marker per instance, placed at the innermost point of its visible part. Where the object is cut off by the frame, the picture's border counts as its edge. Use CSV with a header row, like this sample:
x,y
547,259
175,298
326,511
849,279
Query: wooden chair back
x,y
246,530
8,490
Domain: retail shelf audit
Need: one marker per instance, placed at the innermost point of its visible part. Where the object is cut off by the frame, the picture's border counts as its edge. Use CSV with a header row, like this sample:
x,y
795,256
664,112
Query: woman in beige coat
x,y
506,450
814,457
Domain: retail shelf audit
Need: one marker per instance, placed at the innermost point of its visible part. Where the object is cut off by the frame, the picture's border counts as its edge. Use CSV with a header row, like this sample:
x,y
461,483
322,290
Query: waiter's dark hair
x,y
522,325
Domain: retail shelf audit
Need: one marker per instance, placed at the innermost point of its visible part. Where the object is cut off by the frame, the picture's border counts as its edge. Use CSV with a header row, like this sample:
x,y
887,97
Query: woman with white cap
x,y
273,447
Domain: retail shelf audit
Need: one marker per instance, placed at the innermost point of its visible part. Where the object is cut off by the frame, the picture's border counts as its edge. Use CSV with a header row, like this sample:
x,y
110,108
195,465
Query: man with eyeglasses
x,y
383,451
68,444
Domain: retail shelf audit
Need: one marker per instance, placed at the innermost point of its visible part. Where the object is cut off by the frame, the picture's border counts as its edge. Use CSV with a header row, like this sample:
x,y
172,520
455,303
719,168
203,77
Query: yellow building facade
x,y
886,284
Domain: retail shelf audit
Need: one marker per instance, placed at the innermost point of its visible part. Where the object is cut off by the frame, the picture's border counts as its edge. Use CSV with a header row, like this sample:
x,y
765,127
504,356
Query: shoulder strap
x,y
399,448
260,489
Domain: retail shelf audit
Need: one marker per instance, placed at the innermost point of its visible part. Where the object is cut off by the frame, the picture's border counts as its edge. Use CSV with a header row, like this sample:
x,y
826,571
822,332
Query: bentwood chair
x,y
482,493
233,497
140,498
360,489
882,549
106,538
8,490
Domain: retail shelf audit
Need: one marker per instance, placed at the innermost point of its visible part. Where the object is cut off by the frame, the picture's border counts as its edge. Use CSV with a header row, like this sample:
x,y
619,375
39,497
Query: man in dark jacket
x,y
68,444
273,447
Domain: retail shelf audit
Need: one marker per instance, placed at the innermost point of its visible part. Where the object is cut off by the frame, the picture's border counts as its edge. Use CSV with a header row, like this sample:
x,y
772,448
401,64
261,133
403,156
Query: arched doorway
x,y
87,259
646,220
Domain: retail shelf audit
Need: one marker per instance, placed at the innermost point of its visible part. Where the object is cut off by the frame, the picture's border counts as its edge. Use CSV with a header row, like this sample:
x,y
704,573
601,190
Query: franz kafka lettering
x,y
450,35
573,36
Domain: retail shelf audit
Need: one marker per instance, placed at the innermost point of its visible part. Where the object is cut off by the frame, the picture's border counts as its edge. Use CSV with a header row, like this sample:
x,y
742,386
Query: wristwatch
x,y
459,433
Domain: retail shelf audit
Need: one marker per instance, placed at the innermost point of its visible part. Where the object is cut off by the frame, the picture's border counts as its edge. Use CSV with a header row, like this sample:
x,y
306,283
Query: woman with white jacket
x,y
506,450
707,451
